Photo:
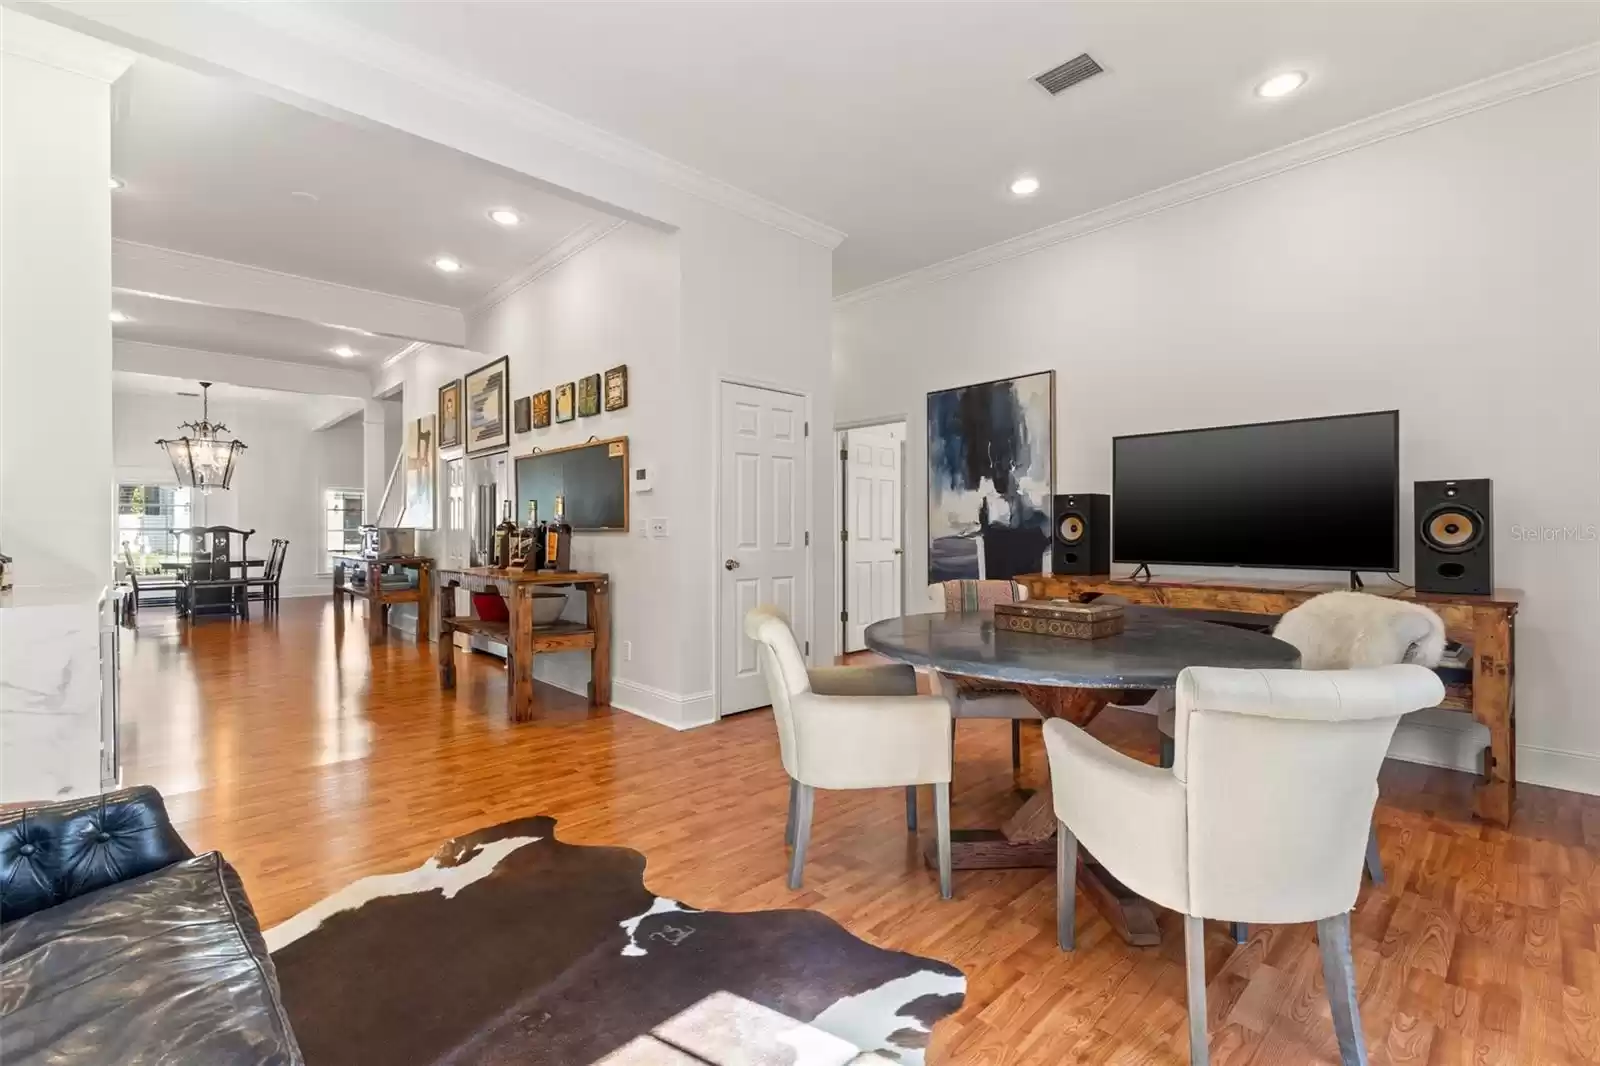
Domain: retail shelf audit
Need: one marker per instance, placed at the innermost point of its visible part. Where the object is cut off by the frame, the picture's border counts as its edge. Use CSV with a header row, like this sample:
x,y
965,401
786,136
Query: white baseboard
x,y
662,707
1574,771
321,588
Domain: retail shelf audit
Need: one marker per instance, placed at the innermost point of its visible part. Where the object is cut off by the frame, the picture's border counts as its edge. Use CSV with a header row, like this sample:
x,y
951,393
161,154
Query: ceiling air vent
x,y
1059,79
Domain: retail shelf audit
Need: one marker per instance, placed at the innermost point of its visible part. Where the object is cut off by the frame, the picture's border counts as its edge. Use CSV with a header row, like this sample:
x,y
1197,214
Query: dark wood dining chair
x,y
217,579
266,587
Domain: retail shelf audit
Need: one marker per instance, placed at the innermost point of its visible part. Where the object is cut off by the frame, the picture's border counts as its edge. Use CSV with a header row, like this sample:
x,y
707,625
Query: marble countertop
x,y
1154,647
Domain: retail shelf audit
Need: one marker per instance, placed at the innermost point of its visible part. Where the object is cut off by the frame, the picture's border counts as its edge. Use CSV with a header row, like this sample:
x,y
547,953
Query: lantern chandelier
x,y
205,460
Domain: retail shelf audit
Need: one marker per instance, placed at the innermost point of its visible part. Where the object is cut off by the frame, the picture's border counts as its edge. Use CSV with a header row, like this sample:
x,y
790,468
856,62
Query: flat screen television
x,y
1307,494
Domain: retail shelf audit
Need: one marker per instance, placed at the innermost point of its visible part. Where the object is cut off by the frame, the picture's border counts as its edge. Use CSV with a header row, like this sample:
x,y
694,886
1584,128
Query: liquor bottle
x,y
502,539
558,540
533,539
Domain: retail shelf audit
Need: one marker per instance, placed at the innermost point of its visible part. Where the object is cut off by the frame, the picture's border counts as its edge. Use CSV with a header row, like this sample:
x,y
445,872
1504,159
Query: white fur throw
x,y
1346,630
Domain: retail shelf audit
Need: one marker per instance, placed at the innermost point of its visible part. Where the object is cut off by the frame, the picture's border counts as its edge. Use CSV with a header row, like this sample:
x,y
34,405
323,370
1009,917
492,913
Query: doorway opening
x,y
870,573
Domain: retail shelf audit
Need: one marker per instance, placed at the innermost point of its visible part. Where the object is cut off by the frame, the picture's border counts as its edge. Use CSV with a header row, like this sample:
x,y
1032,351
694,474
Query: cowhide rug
x,y
510,947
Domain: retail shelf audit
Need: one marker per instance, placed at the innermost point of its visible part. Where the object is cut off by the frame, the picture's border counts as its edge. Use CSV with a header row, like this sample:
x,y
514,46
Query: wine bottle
x,y
533,539
558,540
502,539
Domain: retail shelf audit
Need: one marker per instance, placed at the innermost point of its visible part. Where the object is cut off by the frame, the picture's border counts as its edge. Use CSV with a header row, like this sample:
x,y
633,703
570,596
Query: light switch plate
x,y
658,527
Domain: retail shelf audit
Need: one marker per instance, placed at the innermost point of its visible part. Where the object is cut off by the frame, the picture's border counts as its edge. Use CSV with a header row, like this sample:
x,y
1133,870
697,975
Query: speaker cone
x,y
1072,528
1452,529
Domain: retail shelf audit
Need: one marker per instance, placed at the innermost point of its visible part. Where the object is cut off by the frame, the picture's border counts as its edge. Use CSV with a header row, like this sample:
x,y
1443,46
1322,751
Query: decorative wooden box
x,y
1060,618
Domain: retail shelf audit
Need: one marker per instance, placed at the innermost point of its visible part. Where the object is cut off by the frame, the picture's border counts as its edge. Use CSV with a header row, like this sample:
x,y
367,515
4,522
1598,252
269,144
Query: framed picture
x,y
616,388
541,409
422,474
564,402
487,403
589,395
450,414
522,415
991,476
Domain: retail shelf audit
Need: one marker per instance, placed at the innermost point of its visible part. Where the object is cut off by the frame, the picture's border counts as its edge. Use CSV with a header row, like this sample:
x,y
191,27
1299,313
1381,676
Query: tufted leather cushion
x,y
53,853
165,968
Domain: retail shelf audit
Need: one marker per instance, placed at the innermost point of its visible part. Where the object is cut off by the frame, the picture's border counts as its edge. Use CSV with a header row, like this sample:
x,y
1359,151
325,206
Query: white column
x,y
374,459
57,508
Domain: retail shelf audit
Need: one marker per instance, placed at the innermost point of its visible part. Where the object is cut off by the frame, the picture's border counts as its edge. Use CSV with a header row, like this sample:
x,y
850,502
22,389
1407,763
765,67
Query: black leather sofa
x,y
120,945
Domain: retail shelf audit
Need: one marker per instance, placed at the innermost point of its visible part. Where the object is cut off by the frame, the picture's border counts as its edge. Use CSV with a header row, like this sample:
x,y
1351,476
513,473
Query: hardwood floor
x,y
310,762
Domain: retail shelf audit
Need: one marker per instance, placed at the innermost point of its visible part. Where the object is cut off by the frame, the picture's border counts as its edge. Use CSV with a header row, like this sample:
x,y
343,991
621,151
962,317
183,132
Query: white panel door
x,y
872,546
763,529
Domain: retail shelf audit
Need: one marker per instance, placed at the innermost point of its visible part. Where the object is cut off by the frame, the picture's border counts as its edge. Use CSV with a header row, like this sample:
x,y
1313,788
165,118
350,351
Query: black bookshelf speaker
x,y
1081,543
1455,536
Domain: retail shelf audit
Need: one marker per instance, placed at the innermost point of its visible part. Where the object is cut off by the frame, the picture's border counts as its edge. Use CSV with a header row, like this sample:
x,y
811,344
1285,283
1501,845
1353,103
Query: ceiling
x,y
903,124
214,169
312,411
176,324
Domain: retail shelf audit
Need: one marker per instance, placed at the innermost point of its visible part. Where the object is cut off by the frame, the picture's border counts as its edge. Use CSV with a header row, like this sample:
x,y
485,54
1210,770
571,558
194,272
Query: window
x,y
341,524
149,521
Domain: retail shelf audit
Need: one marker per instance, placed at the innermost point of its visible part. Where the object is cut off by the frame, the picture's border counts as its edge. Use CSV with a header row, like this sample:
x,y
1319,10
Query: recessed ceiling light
x,y
118,317
444,264
1025,186
301,194
1281,84
344,351
505,216
115,183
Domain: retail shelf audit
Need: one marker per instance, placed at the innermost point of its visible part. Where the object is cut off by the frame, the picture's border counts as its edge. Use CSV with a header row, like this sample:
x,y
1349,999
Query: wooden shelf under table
x,y
522,639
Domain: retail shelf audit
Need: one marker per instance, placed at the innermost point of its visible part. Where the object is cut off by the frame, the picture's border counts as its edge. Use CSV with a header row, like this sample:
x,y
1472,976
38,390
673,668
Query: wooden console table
x,y
1484,624
522,640
380,599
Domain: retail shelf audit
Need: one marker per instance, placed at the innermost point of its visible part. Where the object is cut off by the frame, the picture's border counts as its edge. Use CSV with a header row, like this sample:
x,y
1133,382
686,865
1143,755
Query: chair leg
x,y
911,808
1339,975
1169,752
1240,931
1194,950
794,801
941,828
1066,887
802,832
1016,744
1374,859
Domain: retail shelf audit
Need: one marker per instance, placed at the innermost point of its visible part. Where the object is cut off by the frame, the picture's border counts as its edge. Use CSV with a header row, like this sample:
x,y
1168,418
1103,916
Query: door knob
x,y
899,551
731,564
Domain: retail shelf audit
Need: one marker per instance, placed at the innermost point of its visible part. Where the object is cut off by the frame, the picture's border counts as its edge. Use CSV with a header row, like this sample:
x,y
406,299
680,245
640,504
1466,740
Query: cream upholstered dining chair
x,y
850,727
979,699
1263,816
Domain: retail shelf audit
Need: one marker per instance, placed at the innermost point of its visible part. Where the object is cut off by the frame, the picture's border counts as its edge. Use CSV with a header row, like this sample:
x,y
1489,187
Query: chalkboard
x,y
592,476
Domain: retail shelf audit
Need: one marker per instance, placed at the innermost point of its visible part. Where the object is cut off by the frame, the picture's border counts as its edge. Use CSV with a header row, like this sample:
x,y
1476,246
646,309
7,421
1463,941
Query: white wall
x,y
279,480
1453,273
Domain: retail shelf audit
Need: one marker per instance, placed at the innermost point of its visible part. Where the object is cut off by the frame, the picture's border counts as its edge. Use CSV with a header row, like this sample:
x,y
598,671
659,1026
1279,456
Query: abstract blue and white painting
x,y
991,474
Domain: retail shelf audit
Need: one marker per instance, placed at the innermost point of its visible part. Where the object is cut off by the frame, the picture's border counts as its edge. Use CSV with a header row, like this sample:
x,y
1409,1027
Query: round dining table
x,y
1072,679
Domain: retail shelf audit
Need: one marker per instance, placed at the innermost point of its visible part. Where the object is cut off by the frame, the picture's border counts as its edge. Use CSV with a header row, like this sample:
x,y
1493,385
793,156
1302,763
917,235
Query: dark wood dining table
x,y
1073,680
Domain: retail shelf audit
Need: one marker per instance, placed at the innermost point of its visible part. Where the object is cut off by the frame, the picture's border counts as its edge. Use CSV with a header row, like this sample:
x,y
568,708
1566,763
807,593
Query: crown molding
x,y
326,30
586,235
44,42
1535,77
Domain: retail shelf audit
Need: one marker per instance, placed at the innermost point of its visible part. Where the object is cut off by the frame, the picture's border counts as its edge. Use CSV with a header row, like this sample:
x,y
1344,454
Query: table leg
x,y
519,667
424,603
447,636
1493,705
598,594
1027,839
375,608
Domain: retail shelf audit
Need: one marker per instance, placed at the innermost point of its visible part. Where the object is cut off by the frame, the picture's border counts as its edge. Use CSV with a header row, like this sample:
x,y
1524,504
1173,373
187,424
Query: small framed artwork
x,y
541,409
564,402
522,415
450,414
487,403
616,388
589,395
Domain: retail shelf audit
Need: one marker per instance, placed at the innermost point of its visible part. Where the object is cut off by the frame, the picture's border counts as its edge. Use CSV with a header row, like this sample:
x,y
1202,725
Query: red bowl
x,y
491,606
